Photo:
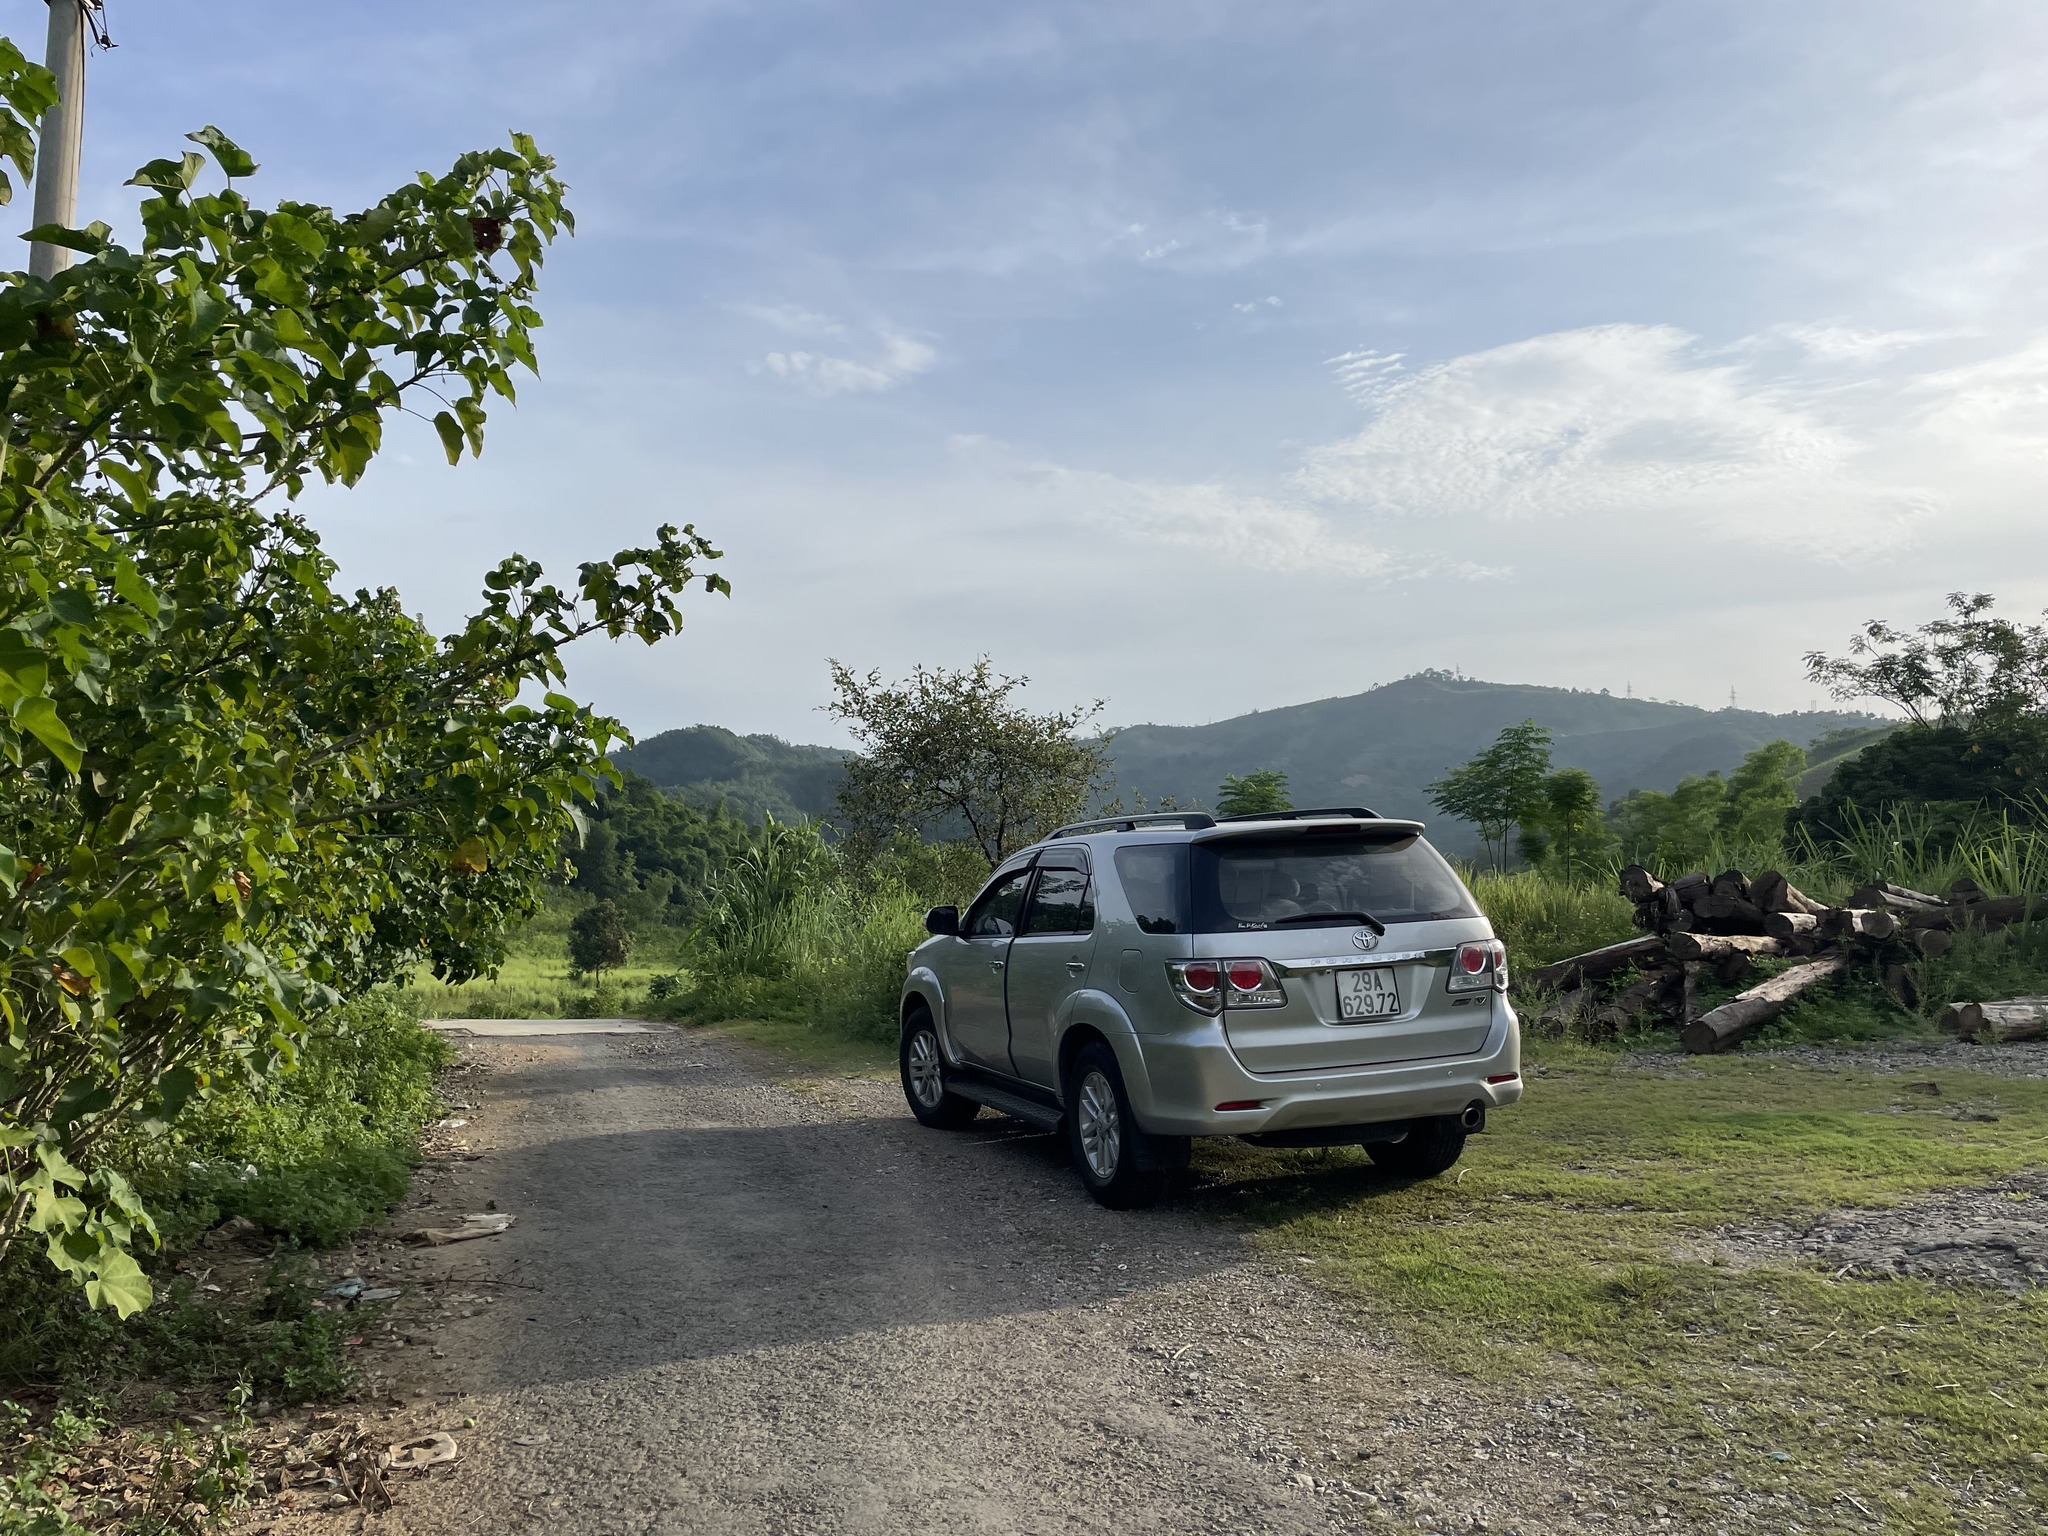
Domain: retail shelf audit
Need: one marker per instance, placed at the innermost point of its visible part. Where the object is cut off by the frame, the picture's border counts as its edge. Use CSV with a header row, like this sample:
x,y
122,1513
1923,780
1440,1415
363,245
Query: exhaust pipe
x,y
1474,1117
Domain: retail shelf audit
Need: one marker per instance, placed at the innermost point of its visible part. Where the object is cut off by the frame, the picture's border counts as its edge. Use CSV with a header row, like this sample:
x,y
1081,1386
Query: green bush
x,y
310,1157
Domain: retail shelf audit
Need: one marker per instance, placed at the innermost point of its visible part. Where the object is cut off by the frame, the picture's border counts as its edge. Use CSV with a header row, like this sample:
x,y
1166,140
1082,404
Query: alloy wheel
x,y
1101,1126
927,1077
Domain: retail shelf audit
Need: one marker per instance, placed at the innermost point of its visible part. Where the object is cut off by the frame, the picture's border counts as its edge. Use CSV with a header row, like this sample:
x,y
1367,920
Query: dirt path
x,y
730,1305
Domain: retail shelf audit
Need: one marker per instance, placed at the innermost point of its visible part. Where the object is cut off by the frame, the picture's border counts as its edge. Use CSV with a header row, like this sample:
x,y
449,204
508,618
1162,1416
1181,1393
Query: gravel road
x,y
732,1304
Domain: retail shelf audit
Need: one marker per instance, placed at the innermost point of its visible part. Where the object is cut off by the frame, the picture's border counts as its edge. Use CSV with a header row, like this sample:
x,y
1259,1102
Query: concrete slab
x,y
515,1029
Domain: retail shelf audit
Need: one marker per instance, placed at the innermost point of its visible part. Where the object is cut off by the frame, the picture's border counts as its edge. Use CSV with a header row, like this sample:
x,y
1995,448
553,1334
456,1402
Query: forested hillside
x,y
708,765
1383,747
1379,748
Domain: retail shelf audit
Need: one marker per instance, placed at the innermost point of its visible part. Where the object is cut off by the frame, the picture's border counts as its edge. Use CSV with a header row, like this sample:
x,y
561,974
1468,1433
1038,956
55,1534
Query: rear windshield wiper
x,y
1364,919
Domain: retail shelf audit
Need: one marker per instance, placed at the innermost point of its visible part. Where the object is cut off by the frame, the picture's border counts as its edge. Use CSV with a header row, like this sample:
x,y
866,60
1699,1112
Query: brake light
x,y
1479,966
1207,986
1198,983
1253,985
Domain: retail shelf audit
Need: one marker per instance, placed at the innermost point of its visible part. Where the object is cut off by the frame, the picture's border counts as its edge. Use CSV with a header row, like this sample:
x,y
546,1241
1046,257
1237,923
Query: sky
x,y
1199,357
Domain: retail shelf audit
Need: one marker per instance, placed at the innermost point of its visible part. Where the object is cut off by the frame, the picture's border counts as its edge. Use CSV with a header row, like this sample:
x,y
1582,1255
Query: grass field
x,y
1573,1246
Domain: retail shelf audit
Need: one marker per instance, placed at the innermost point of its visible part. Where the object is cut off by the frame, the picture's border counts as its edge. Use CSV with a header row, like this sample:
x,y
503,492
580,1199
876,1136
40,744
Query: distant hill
x,y
1383,748
1380,749
751,775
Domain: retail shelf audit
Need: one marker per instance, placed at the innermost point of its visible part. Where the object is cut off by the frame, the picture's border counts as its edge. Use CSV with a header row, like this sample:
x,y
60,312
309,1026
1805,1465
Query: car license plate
x,y
1367,995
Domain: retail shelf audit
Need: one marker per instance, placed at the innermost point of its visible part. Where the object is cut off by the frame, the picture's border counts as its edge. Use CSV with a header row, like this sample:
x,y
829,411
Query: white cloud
x,y
1237,529
1253,306
793,319
898,358
1616,419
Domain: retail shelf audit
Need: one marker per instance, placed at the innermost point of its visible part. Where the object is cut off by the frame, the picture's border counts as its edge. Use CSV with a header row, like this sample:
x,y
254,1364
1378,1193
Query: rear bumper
x,y
1184,1076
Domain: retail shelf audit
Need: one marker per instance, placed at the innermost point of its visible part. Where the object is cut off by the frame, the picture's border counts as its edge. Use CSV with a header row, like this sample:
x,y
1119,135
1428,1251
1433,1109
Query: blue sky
x,y
1203,357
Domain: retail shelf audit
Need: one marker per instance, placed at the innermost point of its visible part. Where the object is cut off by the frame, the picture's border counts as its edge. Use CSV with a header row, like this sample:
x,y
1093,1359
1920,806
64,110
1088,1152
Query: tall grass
x,y
790,933
1543,916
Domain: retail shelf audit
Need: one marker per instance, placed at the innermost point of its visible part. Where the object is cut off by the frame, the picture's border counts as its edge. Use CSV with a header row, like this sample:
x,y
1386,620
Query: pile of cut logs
x,y
1722,924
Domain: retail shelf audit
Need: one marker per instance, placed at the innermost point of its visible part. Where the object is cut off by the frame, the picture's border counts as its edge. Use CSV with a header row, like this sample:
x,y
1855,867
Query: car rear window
x,y
1255,883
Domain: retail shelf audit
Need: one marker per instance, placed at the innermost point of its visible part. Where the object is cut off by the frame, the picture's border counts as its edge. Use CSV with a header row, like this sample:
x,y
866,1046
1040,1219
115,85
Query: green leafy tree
x,y
1965,670
232,793
948,749
1708,817
1253,794
1569,830
1760,792
599,939
1975,692
1500,789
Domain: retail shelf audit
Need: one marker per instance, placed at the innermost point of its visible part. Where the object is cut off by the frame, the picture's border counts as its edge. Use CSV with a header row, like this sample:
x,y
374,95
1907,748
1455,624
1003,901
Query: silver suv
x,y
1308,979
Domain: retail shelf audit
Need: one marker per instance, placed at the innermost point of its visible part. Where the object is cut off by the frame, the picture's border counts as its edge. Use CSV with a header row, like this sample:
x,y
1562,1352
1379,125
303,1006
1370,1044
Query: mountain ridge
x,y
1382,747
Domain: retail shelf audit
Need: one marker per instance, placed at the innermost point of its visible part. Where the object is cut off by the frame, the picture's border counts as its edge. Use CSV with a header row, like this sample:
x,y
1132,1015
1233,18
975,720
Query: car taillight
x,y
1479,967
1253,985
1208,985
1198,983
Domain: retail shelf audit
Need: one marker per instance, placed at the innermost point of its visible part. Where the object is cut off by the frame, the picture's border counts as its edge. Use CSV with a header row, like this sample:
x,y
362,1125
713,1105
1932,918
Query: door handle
x,y
996,966
1076,967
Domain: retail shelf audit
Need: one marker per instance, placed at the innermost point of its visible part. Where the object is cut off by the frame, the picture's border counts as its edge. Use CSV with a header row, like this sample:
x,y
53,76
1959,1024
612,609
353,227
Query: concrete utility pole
x,y
63,135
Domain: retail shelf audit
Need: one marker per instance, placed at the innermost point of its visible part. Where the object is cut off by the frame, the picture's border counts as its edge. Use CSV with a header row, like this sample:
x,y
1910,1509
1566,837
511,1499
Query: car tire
x,y
1427,1150
923,1063
1116,1158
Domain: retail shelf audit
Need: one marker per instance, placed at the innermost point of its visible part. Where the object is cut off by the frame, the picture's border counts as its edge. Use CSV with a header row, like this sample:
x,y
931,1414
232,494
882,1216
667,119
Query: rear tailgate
x,y
1312,1032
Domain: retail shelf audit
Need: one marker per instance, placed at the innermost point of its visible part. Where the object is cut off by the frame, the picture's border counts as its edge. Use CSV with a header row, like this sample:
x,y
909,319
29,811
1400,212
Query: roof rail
x,y
1358,811
1194,821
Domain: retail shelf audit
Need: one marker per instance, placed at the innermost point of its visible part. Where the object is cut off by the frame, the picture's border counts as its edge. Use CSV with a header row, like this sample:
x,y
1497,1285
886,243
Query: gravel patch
x,y
735,1305
2024,1059
1995,1236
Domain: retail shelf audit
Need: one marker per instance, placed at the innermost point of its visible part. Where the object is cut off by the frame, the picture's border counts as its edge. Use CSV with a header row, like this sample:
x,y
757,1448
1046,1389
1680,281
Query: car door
x,y
1049,959
975,963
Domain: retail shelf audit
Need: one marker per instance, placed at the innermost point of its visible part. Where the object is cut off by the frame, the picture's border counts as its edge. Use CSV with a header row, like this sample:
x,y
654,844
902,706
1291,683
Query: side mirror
x,y
942,920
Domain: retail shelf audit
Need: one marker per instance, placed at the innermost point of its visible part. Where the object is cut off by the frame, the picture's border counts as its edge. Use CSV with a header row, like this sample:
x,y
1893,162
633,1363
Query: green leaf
x,y
451,435
233,160
120,1284
38,716
91,240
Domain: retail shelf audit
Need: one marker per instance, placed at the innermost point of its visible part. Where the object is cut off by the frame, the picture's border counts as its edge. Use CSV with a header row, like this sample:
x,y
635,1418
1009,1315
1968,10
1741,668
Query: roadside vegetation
x,y
241,807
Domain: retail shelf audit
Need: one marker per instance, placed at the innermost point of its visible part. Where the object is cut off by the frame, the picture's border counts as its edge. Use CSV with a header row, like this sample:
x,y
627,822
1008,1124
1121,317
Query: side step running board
x,y
1030,1111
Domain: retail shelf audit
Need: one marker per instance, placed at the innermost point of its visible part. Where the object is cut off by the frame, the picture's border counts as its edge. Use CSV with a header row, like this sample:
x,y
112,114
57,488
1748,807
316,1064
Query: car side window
x,y
1155,879
995,915
1061,903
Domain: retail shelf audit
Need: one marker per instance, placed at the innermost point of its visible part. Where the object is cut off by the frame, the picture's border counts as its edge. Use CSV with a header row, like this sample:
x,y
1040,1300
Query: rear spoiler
x,y
1355,812
1379,828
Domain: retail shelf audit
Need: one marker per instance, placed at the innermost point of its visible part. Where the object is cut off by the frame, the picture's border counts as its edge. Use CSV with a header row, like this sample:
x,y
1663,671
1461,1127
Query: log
x,y
1561,1015
1772,892
2017,1018
1689,996
1996,912
1690,887
1731,912
1898,981
1728,1024
1858,923
1732,882
1646,991
1883,896
1933,942
1734,967
1790,927
1712,946
1639,885
1566,974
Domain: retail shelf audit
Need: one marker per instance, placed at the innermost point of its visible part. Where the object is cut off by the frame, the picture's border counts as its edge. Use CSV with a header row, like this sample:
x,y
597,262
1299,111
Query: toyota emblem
x,y
1365,938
